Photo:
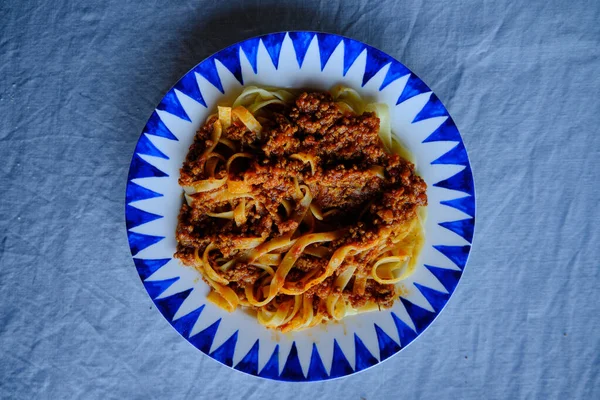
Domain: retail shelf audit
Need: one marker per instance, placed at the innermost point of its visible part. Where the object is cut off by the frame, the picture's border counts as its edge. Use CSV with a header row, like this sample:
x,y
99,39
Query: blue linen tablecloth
x,y
78,79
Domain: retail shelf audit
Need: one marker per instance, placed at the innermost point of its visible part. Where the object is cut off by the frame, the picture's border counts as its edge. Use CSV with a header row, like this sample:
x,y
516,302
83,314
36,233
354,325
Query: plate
x,y
299,60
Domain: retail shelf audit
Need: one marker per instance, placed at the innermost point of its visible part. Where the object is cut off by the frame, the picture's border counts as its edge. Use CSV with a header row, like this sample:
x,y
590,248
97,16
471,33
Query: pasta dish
x,y
301,206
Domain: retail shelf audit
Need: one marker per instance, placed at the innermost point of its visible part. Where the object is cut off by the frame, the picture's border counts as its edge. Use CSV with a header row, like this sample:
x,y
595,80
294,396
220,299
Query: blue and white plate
x,y
299,60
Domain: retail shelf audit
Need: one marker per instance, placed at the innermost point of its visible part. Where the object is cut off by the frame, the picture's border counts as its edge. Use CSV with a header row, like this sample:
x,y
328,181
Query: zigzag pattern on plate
x,y
150,162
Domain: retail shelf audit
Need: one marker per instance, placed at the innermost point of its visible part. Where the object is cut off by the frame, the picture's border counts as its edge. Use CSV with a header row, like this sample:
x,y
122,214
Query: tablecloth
x,y
78,80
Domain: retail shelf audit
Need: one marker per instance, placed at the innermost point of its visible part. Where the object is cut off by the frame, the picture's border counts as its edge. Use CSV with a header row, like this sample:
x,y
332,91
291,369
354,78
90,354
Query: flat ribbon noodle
x,y
247,119
288,263
283,303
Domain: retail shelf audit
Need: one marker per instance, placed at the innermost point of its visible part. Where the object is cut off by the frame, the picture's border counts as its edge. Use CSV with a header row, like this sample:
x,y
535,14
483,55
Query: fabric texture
x,y
78,80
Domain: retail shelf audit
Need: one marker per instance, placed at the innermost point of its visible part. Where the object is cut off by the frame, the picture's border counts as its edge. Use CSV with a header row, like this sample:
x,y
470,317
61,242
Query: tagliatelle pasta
x,y
301,206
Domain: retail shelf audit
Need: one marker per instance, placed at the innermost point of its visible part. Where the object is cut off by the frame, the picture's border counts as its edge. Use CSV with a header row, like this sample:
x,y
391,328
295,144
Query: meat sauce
x,y
344,147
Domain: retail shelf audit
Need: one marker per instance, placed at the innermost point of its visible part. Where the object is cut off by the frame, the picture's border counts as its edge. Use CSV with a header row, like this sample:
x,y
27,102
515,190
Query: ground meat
x,y
308,263
193,166
243,274
384,295
315,112
341,186
193,232
353,138
238,132
281,138
272,181
295,275
322,290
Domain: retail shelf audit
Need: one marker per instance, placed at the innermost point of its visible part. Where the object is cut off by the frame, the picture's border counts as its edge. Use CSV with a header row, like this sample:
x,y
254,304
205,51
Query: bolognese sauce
x,y
358,188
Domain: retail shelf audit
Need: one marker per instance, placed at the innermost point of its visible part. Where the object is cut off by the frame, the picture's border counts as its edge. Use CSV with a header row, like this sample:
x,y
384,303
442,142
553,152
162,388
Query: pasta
x,y
301,206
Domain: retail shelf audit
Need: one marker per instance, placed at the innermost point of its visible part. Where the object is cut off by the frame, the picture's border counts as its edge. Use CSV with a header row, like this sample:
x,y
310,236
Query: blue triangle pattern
x,y
339,365
433,108
249,364
185,324
414,86
463,228
230,58
203,340
437,299
156,288
250,48
387,346
292,370
145,268
136,217
224,353
138,241
461,181
273,43
352,50
405,332
271,368
188,85
170,103
208,70
457,254
419,316
139,168
327,45
464,204
169,305
316,369
448,277
301,41
375,61
364,358
446,132
397,70
155,126
145,146
136,192
457,156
